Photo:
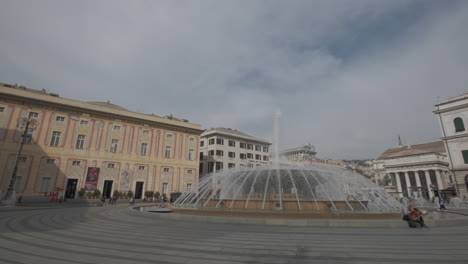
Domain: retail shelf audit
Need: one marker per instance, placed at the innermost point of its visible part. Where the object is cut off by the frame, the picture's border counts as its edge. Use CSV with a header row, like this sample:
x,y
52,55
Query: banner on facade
x,y
92,179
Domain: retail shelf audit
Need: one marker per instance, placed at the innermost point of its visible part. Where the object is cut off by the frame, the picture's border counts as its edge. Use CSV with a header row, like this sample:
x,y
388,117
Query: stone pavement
x,y
118,234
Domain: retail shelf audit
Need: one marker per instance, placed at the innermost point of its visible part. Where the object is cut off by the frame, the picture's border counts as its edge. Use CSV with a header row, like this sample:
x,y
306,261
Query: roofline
x,y
214,132
453,99
35,96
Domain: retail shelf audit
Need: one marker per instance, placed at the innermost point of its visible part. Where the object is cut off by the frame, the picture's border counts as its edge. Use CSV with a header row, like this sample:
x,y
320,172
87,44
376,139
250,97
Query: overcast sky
x,y
348,76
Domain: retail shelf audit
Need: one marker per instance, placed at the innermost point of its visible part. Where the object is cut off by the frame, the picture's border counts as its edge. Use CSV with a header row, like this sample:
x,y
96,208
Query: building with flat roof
x,y
229,148
303,153
93,145
452,115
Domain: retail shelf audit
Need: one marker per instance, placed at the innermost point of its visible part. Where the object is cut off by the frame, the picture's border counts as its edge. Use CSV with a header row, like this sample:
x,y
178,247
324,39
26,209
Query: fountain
x,y
318,188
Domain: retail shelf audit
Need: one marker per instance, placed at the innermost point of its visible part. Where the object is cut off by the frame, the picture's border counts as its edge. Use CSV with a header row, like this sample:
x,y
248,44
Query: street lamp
x,y
29,126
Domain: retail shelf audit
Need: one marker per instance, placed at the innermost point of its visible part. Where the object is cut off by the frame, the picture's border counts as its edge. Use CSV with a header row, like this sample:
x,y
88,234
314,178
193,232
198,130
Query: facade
x,y
414,170
304,153
453,115
228,148
93,145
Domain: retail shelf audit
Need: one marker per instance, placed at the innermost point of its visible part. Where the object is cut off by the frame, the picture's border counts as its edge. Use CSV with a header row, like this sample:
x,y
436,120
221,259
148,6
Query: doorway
x,y
71,188
107,190
138,190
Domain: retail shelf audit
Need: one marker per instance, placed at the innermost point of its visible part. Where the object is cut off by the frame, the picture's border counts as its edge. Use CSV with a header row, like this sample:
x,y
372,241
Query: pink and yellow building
x,y
129,151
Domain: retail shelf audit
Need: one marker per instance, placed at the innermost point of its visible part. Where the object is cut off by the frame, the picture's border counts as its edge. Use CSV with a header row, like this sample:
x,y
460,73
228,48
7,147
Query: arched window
x,y
459,126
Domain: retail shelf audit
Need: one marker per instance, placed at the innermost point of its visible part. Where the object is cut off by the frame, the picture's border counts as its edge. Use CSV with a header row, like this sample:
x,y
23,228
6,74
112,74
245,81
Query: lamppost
x,y
29,126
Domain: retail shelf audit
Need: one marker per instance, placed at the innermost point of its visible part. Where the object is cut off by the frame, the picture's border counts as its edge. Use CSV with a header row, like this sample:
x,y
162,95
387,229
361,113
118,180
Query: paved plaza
x,y
118,234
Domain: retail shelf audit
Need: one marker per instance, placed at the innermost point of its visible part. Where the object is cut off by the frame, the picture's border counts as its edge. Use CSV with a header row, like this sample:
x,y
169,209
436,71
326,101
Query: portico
x,y
419,182
416,170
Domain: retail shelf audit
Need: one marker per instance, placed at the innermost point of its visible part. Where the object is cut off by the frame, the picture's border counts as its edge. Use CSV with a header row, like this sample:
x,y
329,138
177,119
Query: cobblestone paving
x,y
117,234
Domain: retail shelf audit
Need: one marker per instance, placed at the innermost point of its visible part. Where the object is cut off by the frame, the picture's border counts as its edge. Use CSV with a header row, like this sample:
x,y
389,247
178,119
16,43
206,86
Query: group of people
x,y
112,200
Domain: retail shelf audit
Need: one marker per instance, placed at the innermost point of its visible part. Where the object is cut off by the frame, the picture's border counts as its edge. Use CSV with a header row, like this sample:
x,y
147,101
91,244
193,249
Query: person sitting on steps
x,y
414,217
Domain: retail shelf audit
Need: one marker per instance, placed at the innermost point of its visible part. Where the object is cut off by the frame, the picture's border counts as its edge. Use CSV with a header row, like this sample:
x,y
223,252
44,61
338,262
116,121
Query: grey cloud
x,y
231,63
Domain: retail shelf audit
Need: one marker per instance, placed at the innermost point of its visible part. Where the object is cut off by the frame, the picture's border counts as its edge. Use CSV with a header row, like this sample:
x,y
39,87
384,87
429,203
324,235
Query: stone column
x,y
418,182
408,184
440,186
428,182
398,185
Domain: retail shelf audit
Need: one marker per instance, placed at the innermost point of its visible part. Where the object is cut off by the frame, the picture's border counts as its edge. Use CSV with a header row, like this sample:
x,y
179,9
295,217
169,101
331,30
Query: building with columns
x,y
414,170
93,145
452,115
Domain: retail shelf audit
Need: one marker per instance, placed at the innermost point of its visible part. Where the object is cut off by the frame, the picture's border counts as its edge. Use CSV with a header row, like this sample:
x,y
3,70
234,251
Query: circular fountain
x,y
287,188
294,190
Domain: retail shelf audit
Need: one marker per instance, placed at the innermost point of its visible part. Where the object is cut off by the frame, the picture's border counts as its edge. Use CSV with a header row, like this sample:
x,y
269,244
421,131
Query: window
x,y
219,166
144,147
232,143
243,156
168,152
249,155
114,144
242,145
265,149
201,155
80,141
266,158
45,184
258,148
60,118
459,126
220,141
258,157
169,136
210,167
191,155
145,132
83,122
211,141
27,139
76,163
2,109
200,168
55,139
166,169
164,188
231,165
211,153
189,187
250,146
116,127
22,159
232,154
465,156
192,139
202,143
189,171
110,165
219,153
33,114
141,167
50,161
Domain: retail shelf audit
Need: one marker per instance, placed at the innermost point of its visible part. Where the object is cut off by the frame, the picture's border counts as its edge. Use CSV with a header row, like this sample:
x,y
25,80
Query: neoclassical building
x,y
303,153
452,116
93,145
229,148
414,170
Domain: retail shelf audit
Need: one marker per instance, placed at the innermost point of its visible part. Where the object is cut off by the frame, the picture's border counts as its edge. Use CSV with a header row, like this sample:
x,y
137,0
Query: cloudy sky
x,y
348,76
